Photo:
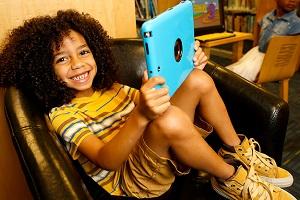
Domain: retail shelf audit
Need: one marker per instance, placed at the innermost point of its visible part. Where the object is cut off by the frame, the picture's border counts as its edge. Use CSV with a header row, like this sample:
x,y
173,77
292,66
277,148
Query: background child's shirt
x,y
101,114
288,24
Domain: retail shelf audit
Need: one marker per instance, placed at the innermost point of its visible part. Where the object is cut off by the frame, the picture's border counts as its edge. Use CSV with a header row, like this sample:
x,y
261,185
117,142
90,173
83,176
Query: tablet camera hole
x,y
147,34
178,50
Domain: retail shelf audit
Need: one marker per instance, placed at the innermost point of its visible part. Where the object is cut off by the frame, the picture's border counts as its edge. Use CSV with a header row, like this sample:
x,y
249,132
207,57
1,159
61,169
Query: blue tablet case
x,y
169,44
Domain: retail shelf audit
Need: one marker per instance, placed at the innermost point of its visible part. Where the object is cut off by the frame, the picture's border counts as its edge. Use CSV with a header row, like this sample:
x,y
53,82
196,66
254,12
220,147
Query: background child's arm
x,y
152,103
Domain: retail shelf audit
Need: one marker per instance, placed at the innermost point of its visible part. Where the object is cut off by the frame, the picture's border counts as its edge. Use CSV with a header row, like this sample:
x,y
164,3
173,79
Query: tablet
x,y
169,44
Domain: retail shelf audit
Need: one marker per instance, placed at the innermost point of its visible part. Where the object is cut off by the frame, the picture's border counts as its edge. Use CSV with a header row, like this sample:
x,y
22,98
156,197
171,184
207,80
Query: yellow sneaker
x,y
246,184
264,165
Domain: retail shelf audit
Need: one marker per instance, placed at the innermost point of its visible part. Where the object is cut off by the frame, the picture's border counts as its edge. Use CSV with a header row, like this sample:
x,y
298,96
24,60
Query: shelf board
x,y
240,11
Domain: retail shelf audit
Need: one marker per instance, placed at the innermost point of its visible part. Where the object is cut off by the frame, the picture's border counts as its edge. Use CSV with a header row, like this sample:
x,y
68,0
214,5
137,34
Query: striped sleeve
x,y
132,93
71,128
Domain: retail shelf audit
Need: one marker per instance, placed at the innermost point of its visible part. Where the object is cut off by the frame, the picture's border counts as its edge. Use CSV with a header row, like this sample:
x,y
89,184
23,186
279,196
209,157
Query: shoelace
x,y
256,187
257,158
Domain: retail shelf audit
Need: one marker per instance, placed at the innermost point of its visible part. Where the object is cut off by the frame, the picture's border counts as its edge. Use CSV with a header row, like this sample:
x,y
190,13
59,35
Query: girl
x,y
131,142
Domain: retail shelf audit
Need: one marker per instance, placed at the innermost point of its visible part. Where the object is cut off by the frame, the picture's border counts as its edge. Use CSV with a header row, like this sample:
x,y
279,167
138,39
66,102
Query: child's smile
x,y
74,64
81,77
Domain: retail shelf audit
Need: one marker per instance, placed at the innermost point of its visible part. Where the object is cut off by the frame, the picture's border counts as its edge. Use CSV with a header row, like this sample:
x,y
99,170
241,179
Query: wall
x,y
165,4
116,16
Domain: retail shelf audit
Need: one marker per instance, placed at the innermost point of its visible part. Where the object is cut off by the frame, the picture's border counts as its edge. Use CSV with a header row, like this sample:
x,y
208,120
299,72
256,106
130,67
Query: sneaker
x,y
246,184
264,165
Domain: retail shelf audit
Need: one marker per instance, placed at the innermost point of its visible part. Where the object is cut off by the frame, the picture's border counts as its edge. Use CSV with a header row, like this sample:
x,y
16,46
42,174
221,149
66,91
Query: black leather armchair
x,y
51,174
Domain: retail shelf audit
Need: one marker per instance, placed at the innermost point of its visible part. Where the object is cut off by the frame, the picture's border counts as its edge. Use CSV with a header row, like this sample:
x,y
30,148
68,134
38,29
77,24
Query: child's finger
x,y
198,50
152,82
201,66
199,55
145,76
200,59
162,108
196,45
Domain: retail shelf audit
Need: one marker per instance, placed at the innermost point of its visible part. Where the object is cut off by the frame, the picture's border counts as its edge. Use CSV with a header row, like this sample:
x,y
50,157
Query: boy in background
x,y
281,21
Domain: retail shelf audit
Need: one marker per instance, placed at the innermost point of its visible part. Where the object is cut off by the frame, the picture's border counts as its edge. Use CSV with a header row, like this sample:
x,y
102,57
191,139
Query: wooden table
x,y
237,40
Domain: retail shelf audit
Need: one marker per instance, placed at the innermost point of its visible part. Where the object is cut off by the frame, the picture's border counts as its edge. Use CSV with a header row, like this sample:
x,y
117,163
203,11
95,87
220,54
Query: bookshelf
x,y
145,9
240,15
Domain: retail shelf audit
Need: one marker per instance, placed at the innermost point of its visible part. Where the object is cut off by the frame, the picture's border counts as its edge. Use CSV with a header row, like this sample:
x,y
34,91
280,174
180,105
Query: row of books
x,y
242,5
240,15
145,9
240,23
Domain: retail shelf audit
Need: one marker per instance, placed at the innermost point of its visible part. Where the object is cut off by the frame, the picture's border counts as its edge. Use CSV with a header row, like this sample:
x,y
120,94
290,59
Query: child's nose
x,y
76,64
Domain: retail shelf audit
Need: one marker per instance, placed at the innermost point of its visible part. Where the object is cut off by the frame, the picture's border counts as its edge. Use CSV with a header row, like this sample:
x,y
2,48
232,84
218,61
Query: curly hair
x,y
27,56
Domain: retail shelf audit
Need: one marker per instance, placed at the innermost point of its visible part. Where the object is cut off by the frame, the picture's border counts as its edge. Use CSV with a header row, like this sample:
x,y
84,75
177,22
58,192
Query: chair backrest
x,y
281,59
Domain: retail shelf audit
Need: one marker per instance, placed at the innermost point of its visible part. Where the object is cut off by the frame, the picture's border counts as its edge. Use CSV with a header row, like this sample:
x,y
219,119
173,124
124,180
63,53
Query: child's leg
x,y
199,90
174,133
174,136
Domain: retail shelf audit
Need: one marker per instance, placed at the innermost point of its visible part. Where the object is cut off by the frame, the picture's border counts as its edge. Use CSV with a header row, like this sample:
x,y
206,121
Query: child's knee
x,y
199,81
172,123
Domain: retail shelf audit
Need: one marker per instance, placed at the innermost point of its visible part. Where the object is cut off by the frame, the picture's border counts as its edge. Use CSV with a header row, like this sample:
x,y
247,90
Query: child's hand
x,y
153,102
200,59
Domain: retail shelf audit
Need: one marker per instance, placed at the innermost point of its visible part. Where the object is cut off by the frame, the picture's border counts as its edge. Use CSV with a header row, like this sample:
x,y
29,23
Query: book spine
x,y
139,13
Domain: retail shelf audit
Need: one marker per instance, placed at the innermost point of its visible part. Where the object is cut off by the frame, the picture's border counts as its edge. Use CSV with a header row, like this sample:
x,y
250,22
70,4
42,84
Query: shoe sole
x,y
214,185
282,183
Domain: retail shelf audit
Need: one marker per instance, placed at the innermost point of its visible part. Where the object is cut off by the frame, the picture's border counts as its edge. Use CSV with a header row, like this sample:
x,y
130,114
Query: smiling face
x,y
74,64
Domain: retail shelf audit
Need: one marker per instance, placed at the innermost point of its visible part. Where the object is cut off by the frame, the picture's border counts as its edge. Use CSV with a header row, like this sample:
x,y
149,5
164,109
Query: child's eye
x,y
60,60
84,52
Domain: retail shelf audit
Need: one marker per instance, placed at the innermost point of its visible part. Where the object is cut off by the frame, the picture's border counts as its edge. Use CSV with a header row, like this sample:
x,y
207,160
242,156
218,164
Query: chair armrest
x,y
254,111
49,172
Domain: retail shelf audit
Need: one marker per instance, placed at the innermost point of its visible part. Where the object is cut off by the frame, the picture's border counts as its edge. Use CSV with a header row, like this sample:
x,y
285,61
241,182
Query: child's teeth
x,y
81,77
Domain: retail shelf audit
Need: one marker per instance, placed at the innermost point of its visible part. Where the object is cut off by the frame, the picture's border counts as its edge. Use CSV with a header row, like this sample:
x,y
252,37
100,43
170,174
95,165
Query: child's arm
x,y
152,103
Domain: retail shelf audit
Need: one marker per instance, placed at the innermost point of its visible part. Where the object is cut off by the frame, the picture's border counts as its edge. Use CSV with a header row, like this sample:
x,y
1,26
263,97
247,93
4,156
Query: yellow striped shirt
x,y
102,114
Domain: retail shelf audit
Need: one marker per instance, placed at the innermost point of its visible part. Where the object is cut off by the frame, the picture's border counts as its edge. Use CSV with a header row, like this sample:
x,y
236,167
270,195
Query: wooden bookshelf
x,y
240,15
240,20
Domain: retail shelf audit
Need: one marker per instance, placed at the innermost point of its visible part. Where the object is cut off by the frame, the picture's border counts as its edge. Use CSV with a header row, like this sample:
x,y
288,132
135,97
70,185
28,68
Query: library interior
x,y
33,160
